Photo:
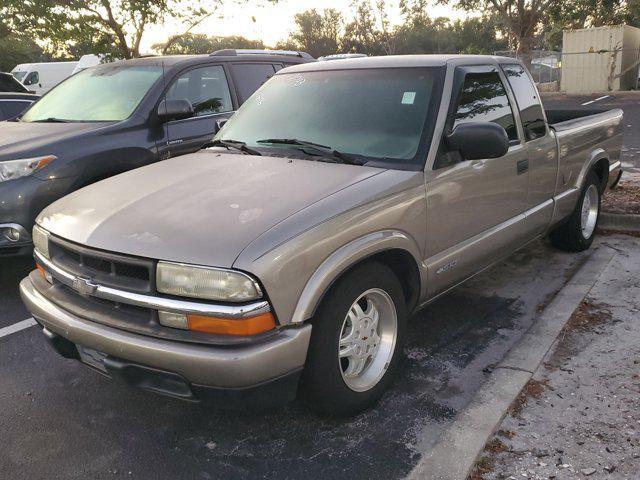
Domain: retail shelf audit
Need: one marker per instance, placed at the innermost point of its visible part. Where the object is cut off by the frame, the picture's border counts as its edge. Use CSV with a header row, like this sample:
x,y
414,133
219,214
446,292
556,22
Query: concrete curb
x,y
619,222
455,452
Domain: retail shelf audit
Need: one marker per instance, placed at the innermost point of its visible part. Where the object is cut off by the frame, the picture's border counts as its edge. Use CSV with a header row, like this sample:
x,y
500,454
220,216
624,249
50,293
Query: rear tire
x,y
578,232
356,342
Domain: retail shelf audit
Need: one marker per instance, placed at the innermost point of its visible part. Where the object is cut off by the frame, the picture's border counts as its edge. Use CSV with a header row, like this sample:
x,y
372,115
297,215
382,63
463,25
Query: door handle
x,y
477,164
522,166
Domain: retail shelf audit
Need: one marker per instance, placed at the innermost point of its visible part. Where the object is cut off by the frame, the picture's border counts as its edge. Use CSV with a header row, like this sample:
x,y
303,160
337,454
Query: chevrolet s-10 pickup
x,y
285,258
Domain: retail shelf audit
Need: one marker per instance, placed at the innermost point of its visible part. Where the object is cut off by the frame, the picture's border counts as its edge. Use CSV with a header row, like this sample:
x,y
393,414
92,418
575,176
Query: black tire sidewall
x,y
569,235
322,385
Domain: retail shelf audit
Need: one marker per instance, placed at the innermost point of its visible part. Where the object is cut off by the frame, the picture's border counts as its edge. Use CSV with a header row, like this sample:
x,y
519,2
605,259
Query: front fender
x,y
344,258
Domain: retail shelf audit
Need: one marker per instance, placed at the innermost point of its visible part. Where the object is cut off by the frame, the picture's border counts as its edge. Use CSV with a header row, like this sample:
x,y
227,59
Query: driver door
x,y
207,89
475,208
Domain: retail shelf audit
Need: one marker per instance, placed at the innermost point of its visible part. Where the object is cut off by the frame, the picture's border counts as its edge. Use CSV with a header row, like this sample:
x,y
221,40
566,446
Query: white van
x,y
88,61
42,77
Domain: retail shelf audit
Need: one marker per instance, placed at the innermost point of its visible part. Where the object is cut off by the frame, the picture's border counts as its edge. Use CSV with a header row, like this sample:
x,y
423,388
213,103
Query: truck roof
x,y
397,61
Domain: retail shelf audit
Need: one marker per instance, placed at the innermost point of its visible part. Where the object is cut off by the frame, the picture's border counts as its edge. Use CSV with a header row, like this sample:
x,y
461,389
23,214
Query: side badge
x,y
446,268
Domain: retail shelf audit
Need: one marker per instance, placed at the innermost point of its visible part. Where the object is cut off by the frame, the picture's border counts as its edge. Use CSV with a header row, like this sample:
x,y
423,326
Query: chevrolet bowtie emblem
x,y
84,286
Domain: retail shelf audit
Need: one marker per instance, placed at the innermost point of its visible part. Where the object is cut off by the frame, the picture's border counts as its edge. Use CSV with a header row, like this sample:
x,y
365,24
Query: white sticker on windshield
x,y
408,98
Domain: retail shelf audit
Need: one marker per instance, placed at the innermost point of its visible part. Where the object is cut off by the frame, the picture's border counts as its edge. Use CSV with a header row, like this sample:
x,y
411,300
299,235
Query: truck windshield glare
x,y
376,114
105,93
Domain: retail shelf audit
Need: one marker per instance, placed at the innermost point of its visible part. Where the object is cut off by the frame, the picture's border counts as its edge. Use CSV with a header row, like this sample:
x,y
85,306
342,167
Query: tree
x,y
114,27
575,14
369,32
317,33
520,19
16,49
194,44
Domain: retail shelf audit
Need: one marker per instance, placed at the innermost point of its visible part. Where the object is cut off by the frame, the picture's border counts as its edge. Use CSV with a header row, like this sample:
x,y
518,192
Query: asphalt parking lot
x,y
61,420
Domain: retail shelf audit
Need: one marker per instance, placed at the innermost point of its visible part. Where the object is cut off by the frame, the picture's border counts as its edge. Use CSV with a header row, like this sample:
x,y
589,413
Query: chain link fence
x,y
592,71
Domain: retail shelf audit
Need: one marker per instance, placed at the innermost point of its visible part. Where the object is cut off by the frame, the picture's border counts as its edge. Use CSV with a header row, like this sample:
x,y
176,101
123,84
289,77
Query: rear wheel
x,y
578,232
356,342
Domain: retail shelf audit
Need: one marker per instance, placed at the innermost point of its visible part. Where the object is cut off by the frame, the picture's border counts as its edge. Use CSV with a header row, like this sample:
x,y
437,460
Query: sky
x,y
272,22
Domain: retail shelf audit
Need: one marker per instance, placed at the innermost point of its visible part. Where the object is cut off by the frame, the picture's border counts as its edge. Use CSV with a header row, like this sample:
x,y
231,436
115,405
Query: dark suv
x,y
115,117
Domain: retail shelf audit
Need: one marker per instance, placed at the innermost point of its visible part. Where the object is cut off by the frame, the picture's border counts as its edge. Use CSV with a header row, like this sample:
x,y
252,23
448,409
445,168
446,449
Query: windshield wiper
x,y
323,149
236,145
51,120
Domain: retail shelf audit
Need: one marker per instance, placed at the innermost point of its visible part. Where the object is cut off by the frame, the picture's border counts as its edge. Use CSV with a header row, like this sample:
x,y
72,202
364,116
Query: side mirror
x,y
478,141
219,124
174,110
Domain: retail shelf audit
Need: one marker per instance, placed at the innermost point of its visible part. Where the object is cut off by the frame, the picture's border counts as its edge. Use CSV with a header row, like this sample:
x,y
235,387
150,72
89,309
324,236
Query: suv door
x,y
541,147
207,89
475,208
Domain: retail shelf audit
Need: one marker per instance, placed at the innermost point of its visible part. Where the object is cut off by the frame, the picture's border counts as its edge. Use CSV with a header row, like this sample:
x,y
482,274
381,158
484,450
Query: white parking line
x,y
596,100
16,327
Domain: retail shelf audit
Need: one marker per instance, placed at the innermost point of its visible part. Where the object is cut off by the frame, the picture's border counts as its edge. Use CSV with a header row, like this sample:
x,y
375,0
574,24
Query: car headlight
x,y
207,283
10,169
41,240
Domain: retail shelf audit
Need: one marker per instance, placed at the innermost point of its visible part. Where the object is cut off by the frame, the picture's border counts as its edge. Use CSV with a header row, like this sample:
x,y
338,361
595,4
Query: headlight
x,y
11,169
208,283
41,240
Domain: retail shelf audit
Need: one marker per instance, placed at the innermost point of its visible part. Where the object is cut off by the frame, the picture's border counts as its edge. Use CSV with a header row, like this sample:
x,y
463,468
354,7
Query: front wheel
x,y
356,341
578,232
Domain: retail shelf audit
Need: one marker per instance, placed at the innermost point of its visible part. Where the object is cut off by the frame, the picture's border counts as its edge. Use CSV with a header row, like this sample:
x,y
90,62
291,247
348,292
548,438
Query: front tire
x,y
356,342
578,232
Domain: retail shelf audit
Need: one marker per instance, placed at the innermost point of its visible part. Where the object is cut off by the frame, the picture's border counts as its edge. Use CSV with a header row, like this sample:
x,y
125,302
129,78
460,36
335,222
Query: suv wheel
x,y
578,232
356,342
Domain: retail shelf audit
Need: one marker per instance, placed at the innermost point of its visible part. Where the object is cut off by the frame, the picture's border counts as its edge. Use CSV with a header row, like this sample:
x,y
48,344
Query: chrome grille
x,y
110,269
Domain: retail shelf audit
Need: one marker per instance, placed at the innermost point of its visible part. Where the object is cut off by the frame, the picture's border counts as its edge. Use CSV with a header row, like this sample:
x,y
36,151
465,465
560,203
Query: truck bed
x,y
562,119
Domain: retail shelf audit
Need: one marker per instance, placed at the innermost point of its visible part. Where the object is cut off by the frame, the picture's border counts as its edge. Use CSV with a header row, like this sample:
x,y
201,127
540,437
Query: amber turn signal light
x,y
228,326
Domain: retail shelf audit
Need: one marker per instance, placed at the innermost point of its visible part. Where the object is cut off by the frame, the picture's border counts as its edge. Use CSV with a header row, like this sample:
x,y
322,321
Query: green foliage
x,y
193,44
112,27
317,33
576,14
16,49
325,32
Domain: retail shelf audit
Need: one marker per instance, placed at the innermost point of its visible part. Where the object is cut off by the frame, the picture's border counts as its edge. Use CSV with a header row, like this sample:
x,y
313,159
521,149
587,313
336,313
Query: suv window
x,y
250,76
484,99
9,84
528,102
206,88
12,109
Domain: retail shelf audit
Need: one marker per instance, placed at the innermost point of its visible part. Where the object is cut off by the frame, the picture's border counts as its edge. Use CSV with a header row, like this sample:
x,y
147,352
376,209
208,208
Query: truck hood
x,y
18,139
202,208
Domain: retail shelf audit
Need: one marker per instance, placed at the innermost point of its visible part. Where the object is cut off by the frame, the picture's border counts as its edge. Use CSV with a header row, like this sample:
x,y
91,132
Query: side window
x,y
5,84
32,79
206,88
13,109
250,76
528,102
484,99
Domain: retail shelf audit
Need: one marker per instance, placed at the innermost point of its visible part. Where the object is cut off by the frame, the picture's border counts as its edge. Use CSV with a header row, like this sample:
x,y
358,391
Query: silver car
x,y
286,258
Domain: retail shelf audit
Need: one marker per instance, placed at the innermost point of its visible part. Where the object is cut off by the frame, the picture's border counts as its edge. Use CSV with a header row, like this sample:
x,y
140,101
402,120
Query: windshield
x,y
105,93
372,113
19,75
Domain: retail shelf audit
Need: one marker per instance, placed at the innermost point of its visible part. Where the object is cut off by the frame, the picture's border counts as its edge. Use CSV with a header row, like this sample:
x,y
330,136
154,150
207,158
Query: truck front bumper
x,y
265,371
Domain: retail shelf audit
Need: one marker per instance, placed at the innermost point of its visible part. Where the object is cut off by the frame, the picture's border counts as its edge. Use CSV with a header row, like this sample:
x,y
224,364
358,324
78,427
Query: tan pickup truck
x,y
286,258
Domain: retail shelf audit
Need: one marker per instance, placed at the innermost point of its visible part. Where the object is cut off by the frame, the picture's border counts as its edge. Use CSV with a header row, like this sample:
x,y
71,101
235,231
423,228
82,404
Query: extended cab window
x,y
528,102
250,76
484,99
206,88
